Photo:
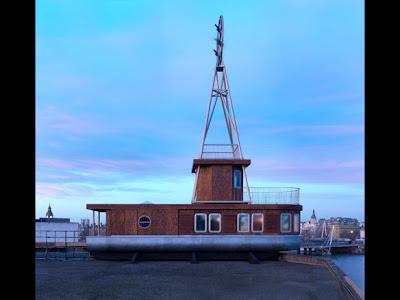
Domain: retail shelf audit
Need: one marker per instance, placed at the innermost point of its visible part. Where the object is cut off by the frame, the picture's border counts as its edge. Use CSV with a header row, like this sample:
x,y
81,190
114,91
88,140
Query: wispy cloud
x,y
89,167
310,164
354,97
310,170
51,119
328,130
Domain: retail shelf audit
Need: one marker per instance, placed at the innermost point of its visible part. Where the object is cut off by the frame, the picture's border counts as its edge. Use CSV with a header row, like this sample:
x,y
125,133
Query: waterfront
x,y
353,266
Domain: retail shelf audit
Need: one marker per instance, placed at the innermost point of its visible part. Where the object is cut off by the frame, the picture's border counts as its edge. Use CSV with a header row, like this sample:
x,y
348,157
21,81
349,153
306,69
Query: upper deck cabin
x,y
276,212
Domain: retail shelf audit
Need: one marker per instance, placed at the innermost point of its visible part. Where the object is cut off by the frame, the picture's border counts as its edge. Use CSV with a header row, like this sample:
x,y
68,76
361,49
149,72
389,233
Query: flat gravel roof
x,y
183,280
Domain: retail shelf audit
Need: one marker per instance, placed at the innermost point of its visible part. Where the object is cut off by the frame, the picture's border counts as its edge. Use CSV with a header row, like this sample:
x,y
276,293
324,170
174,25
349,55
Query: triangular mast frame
x,y
220,91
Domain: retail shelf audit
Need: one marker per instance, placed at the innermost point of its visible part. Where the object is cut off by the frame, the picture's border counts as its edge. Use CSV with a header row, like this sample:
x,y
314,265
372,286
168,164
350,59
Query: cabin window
x,y
215,222
200,222
257,222
296,222
285,222
243,223
144,222
237,178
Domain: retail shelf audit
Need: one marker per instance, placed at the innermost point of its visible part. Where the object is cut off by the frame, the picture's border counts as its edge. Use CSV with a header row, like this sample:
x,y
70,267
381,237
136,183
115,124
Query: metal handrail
x,y
273,195
222,151
265,195
55,236
68,239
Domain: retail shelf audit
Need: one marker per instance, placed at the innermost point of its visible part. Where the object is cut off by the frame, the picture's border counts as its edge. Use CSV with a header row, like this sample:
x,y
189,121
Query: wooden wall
x,y
222,183
175,219
215,182
229,221
204,183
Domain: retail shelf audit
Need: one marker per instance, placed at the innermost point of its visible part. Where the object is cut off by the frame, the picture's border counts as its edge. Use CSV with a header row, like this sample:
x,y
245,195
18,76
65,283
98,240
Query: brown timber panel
x,y
108,222
204,184
272,221
118,221
228,220
157,221
165,221
131,223
222,182
186,221
171,219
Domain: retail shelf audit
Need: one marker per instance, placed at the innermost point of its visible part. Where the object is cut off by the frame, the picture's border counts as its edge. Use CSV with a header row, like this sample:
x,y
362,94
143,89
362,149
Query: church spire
x,y
49,213
313,215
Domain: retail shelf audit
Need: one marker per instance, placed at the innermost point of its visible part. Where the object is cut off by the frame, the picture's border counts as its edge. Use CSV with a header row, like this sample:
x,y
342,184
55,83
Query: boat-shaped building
x,y
225,215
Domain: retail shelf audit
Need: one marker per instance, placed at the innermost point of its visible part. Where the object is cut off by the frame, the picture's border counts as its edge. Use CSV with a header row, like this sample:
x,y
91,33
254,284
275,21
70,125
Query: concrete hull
x,y
125,244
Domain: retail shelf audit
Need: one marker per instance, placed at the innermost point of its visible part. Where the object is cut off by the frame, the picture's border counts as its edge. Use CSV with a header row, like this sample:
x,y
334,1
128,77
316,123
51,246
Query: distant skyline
x,y
122,89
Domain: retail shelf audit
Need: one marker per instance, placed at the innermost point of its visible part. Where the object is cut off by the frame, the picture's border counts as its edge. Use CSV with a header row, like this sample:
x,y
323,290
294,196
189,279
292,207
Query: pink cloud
x,y
89,164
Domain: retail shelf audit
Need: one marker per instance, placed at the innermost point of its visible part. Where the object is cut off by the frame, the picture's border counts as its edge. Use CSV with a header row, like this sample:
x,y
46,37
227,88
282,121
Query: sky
x,y
122,89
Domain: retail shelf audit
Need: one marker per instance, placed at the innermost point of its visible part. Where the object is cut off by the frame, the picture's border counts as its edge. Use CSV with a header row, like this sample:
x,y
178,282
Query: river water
x,y
353,266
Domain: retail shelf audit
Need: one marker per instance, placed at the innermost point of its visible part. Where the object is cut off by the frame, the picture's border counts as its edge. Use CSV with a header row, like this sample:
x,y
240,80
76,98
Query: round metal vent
x,y
144,222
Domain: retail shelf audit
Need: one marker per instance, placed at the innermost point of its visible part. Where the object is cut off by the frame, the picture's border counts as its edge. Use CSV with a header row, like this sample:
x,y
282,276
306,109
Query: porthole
x,y
144,222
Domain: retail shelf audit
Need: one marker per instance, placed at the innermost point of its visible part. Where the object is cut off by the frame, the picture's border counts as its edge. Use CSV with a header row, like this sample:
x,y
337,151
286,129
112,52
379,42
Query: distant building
x,y
345,231
340,221
362,231
309,228
52,230
344,228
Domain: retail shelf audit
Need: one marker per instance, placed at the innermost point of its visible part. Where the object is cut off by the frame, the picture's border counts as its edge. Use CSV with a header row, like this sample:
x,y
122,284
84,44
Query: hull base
x,y
179,247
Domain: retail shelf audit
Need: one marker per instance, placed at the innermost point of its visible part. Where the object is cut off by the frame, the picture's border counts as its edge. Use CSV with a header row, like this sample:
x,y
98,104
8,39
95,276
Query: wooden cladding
x,y
179,219
214,183
219,179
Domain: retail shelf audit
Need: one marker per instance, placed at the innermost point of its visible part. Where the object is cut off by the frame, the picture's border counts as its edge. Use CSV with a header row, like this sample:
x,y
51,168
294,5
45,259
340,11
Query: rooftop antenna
x,y
220,92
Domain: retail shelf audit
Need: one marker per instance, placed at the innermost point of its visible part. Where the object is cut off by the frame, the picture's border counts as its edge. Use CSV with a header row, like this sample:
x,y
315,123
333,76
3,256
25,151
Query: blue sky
x,y
122,89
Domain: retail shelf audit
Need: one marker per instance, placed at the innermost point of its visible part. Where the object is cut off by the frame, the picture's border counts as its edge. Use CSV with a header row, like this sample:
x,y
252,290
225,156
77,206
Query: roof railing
x,y
264,195
273,195
221,151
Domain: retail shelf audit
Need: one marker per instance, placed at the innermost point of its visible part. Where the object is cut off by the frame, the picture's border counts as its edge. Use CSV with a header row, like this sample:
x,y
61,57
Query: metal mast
x,y
220,92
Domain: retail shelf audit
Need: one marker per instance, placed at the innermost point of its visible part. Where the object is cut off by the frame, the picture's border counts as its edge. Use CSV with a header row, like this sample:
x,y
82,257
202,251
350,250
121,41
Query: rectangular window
x,y
296,222
214,223
257,222
237,178
200,222
243,223
285,222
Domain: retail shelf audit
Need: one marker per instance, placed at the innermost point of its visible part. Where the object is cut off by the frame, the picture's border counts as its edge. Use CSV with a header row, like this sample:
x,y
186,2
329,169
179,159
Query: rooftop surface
x,y
183,280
